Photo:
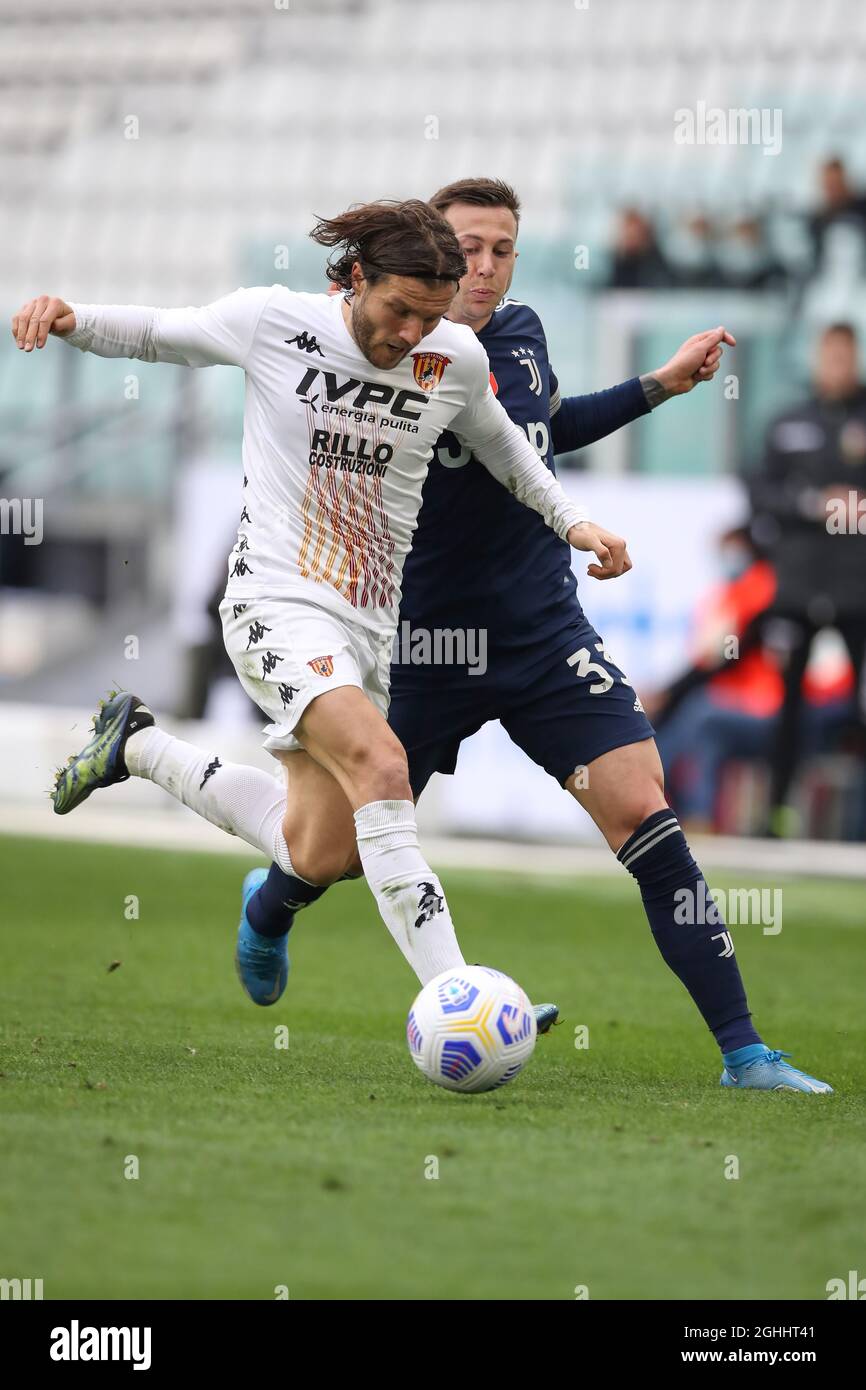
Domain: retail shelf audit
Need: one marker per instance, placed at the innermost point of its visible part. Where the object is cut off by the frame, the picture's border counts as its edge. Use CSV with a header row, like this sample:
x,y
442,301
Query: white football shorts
x,y
286,651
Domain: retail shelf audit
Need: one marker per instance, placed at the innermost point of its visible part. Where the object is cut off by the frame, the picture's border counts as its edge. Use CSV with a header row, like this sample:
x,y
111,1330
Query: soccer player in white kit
x,y
345,397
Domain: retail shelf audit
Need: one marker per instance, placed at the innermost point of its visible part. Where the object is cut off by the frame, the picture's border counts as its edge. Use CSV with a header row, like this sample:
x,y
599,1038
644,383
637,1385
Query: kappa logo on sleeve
x,y
322,665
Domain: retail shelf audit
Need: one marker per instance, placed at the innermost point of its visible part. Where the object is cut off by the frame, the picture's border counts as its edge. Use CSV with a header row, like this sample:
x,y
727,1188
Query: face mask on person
x,y
734,560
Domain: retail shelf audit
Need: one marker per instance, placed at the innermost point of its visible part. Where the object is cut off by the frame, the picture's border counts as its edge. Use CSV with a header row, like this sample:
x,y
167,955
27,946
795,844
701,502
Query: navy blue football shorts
x,y
564,708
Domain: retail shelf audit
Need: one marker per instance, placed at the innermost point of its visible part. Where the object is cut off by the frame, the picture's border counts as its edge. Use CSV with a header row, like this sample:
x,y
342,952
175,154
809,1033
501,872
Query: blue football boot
x,y
262,962
760,1068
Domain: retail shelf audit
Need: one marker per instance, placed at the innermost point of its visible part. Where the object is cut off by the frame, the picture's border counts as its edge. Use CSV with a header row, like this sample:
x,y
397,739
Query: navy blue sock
x,y
271,909
694,943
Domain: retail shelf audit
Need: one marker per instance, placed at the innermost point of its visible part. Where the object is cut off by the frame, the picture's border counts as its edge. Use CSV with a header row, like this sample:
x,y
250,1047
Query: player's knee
x,y
319,864
381,772
641,802
321,858
392,781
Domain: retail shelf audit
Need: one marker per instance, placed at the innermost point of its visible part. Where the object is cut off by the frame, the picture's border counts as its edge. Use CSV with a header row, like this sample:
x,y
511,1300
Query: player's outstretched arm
x,y
219,333
577,421
696,360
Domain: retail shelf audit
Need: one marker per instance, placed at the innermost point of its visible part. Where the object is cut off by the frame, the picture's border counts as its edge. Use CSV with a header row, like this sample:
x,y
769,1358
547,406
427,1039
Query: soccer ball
x,y
471,1029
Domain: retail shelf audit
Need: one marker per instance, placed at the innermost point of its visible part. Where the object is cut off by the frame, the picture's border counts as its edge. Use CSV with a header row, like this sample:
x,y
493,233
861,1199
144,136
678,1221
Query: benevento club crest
x,y
428,368
322,665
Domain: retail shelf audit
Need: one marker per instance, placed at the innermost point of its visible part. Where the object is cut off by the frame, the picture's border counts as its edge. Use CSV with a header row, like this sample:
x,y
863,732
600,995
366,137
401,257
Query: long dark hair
x,y
391,238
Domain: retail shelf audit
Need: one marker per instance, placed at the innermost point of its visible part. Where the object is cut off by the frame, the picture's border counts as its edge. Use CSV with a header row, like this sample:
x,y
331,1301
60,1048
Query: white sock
x,y
408,893
240,800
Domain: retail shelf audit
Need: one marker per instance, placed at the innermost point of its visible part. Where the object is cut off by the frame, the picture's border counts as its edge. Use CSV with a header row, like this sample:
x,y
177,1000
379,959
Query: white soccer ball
x,y
471,1029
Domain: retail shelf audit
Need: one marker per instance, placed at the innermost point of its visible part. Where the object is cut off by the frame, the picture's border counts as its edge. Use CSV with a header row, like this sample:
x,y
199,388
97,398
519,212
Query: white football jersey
x,y
335,450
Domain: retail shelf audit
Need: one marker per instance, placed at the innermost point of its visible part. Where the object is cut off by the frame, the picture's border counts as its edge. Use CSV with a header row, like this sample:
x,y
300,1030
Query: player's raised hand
x,y
39,317
610,550
696,360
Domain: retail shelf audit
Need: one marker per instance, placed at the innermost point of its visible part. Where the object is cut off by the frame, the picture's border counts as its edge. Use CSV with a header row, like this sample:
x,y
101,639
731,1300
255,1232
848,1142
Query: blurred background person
x,y
840,205
725,706
815,458
691,246
638,263
746,260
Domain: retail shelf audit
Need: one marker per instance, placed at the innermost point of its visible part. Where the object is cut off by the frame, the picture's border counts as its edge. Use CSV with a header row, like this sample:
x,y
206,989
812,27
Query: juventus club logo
x,y
269,663
727,944
257,632
429,903
526,358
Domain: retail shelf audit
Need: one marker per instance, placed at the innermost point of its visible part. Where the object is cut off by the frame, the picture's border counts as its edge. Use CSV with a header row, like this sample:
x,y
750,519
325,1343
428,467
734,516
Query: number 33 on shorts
x,y
584,666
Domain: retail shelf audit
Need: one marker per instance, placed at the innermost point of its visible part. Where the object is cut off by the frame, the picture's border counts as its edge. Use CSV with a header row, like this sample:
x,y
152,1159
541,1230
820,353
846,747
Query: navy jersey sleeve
x,y
576,421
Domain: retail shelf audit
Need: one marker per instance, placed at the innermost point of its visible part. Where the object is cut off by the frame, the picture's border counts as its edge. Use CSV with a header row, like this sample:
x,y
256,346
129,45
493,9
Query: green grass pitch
x,y
305,1167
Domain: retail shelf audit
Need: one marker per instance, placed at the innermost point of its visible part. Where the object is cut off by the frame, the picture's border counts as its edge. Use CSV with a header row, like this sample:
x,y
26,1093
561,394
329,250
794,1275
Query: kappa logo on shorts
x,y
269,663
428,368
257,632
322,665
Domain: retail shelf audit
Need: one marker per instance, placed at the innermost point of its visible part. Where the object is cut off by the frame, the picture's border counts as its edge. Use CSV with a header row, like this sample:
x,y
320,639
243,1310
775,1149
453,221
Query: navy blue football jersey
x,y
479,558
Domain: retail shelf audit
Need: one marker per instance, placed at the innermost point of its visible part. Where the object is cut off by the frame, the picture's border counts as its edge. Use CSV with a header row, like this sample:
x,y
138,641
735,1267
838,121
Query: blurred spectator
x,y
746,261
725,705
692,251
638,263
814,464
840,204
700,254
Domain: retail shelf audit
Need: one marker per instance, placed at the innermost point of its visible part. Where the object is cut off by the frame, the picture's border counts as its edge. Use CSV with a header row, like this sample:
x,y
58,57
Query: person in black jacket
x,y
841,204
806,498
